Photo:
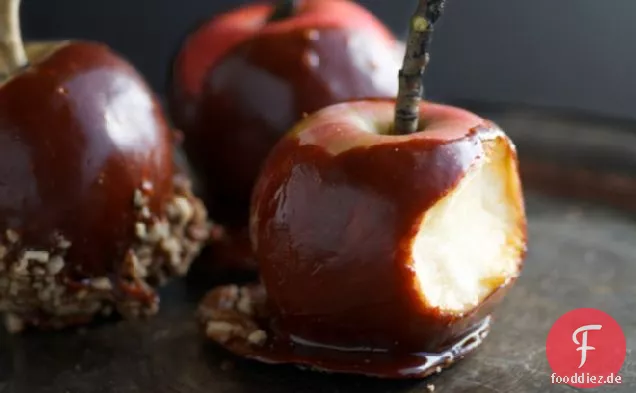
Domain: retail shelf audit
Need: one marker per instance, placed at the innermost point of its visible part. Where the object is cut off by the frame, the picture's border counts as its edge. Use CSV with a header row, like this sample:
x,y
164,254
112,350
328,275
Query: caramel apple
x,y
427,228
245,77
379,248
92,213
386,231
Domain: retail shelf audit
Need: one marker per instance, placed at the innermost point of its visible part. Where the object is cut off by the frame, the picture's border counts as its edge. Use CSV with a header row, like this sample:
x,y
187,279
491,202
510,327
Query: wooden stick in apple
x,y
415,60
12,54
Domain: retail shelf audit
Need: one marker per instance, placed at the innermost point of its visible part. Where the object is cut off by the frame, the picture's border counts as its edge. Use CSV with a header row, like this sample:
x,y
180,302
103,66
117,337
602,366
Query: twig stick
x,y
411,75
12,54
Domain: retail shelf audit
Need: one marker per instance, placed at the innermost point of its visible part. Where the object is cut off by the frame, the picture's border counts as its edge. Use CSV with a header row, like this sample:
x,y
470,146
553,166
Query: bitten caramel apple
x,y
244,78
422,228
386,231
380,254
92,213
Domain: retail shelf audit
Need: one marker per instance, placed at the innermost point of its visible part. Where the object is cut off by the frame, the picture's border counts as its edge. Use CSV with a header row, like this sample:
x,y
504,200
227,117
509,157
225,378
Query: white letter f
x,y
584,347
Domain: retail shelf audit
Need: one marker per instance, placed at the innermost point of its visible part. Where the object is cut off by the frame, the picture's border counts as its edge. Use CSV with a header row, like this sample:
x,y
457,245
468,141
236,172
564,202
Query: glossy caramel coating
x,y
86,170
261,78
334,216
80,132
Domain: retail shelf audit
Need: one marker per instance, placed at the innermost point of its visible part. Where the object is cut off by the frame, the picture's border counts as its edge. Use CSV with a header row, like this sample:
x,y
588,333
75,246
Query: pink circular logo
x,y
586,348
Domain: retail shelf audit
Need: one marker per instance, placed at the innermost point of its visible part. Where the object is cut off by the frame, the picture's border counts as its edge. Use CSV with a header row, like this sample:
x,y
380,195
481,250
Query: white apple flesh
x,y
469,242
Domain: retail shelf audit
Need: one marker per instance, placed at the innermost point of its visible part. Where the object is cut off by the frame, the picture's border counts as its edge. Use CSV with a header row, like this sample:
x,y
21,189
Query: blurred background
x,y
571,54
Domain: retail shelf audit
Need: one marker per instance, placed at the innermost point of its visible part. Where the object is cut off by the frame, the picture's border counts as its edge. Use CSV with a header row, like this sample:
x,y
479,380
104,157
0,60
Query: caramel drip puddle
x,y
237,319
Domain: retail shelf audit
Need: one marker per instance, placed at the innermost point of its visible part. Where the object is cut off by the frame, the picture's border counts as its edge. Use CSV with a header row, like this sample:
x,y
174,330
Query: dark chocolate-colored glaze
x,y
255,90
333,230
79,133
279,349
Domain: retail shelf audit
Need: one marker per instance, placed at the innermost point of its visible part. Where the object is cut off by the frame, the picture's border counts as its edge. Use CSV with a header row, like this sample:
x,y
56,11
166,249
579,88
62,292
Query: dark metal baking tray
x,y
580,174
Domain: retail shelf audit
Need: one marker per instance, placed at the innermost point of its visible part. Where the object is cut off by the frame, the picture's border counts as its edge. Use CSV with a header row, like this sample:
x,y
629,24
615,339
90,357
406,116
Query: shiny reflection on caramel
x,y
93,215
263,86
80,131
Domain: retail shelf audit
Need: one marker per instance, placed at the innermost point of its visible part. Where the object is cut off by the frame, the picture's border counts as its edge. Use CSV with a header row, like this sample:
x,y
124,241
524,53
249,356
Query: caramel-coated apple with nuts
x,y
92,213
242,79
386,232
